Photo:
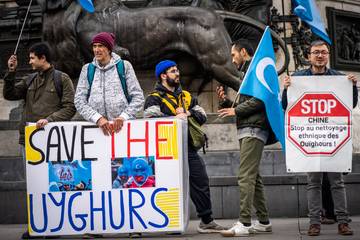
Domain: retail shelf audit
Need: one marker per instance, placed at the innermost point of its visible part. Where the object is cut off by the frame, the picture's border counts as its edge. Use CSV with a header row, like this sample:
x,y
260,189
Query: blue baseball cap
x,y
162,66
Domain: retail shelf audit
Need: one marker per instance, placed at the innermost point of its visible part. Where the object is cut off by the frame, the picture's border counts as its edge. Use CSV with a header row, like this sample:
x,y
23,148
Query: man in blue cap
x,y
169,99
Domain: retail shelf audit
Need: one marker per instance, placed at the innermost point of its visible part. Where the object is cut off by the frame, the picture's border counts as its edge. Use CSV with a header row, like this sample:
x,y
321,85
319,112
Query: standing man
x,y
319,57
169,99
108,89
48,94
253,133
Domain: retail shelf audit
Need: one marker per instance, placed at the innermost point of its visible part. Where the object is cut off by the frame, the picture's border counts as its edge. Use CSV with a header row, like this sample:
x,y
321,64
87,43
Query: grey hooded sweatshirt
x,y
106,96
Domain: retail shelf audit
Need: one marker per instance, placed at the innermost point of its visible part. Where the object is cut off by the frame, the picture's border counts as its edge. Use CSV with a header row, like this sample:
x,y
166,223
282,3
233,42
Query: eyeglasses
x,y
317,53
173,71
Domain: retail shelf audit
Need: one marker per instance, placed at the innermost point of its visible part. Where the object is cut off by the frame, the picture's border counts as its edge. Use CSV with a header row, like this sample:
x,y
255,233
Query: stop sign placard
x,y
319,123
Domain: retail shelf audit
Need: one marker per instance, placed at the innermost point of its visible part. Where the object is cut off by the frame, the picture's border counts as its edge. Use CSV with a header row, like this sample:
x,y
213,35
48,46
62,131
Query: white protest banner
x,y
81,181
318,124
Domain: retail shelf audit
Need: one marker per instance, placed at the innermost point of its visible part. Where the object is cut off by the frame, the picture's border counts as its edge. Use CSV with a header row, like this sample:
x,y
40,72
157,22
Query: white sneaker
x,y
238,230
262,228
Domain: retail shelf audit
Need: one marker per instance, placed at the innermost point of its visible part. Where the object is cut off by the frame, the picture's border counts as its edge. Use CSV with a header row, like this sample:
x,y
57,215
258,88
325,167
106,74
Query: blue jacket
x,y
308,72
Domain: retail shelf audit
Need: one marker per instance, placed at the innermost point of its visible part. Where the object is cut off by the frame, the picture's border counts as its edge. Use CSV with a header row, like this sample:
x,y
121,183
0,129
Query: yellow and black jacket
x,y
157,104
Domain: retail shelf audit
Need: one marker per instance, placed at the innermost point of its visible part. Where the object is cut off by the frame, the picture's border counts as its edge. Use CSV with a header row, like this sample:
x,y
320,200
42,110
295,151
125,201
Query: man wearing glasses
x,y
169,99
319,57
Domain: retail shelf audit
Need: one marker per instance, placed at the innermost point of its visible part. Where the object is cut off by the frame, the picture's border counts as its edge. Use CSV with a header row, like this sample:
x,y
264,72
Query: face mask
x,y
140,172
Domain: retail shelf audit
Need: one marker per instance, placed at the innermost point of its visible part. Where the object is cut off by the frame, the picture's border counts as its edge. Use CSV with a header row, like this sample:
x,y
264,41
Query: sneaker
x,y
262,228
211,227
238,230
314,230
344,229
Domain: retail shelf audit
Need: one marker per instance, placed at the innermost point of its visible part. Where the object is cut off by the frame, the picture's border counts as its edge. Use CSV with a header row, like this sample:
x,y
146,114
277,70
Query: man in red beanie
x,y
108,89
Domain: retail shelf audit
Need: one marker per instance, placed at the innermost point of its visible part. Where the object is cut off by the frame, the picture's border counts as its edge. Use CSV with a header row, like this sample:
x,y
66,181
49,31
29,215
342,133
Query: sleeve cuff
x,y
125,116
95,118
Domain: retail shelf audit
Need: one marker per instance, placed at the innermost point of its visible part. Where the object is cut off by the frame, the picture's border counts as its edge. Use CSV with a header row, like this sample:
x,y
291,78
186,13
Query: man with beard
x,y
253,131
169,99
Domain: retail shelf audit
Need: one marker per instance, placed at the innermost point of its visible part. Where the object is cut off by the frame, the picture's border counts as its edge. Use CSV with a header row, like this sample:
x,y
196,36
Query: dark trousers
x,y
327,200
199,186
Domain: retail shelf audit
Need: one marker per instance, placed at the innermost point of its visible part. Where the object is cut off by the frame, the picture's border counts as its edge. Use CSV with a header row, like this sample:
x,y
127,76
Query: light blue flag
x,y
261,82
308,12
87,5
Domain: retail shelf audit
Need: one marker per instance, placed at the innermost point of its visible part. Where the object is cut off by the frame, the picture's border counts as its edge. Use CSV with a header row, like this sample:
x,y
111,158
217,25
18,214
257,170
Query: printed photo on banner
x,y
69,176
133,172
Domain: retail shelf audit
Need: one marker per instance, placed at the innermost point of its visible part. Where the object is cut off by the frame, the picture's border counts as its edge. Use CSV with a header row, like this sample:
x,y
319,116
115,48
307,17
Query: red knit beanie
x,y
106,39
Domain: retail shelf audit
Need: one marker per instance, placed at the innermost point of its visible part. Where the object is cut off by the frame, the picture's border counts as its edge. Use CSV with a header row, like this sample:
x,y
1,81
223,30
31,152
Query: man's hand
x,y
41,123
287,81
180,110
118,124
12,63
220,93
182,116
352,78
225,112
105,126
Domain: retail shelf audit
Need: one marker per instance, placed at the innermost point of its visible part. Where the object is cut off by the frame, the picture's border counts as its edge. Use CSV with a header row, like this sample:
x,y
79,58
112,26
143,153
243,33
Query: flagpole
x,y
236,97
283,13
22,28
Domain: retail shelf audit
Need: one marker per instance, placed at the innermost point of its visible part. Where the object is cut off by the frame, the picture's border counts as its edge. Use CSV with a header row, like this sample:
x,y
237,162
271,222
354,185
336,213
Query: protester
x,y
48,93
253,133
121,178
108,89
319,56
169,99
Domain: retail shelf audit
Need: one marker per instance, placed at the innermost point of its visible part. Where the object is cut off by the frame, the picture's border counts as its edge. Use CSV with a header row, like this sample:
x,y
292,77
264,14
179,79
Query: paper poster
x,y
81,181
318,124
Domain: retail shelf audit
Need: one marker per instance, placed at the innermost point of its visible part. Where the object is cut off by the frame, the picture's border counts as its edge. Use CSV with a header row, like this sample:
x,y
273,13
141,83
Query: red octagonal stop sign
x,y
319,123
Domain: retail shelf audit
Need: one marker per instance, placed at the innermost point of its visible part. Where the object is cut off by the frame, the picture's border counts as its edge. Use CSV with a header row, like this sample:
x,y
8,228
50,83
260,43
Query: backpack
x,y
120,67
57,81
198,138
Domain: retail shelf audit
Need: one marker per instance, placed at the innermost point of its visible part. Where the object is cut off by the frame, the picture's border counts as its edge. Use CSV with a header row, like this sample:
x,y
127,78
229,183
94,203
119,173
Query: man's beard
x,y
171,82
